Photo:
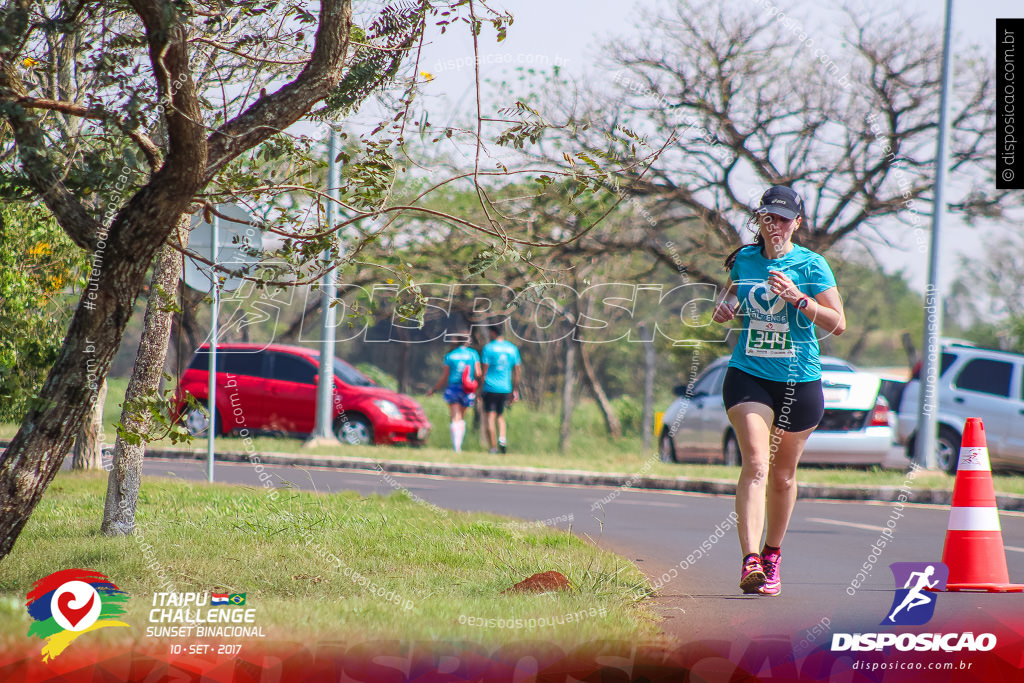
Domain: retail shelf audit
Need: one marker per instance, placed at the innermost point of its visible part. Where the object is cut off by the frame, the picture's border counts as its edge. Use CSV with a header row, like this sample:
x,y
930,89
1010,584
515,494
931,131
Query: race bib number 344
x,y
769,340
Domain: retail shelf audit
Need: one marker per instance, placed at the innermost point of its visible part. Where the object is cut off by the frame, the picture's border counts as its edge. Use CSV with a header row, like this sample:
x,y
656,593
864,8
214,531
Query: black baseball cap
x,y
781,201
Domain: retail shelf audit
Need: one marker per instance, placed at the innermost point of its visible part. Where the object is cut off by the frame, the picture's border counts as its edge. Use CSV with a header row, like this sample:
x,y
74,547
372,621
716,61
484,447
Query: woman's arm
x,y
725,311
444,381
825,309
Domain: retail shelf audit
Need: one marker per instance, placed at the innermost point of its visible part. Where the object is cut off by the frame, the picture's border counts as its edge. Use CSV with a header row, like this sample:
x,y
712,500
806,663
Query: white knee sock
x,y
458,430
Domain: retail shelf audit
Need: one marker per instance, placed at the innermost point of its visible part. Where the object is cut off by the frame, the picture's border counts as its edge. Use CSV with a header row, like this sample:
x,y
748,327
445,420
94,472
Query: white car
x,y
857,428
973,382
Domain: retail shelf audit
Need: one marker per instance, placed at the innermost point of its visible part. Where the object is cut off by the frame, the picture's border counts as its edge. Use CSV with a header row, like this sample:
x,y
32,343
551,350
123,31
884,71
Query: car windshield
x,y
349,375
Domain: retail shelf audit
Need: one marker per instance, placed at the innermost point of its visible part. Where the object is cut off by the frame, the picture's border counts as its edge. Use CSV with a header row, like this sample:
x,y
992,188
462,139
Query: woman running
x,y
772,389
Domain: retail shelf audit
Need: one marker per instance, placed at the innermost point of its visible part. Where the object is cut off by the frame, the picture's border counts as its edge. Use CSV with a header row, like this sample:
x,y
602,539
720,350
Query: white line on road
x,y
645,503
869,527
838,522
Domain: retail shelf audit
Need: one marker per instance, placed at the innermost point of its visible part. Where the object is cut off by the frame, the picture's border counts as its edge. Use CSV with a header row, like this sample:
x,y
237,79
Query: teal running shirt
x,y
457,360
778,342
500,357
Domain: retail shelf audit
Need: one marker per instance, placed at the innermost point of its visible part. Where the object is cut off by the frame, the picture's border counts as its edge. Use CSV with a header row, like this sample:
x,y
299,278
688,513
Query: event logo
x,y
202,615
68,603
913,604
763,300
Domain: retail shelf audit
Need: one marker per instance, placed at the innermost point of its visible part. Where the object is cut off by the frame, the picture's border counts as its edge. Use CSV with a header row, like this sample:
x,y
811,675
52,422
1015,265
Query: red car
x,y
272,388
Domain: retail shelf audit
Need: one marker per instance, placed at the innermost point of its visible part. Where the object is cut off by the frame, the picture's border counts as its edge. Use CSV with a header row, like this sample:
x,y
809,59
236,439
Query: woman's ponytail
x,y
758,242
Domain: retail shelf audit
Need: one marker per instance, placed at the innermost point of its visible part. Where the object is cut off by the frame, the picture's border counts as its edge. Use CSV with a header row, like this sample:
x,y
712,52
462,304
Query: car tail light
x,y
880,413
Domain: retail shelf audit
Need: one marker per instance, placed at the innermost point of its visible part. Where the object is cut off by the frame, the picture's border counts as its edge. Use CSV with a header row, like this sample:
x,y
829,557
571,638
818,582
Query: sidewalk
x,y
885,494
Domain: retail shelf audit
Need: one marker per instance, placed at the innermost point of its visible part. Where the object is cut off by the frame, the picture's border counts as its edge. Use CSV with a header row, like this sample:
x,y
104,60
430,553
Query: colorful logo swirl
x,y
68,603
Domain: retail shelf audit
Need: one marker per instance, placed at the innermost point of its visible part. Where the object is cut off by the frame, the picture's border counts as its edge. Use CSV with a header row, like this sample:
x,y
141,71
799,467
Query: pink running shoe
x,y
752,576
773,578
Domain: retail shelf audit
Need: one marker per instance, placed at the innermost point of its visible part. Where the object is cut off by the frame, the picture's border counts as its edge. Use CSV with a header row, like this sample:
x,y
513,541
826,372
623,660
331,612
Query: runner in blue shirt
x,y
502,370
772,389
458,395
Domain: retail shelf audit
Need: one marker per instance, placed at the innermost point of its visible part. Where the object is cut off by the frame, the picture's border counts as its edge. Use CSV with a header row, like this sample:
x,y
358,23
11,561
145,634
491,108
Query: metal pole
x,y
323,427
926,423
212,387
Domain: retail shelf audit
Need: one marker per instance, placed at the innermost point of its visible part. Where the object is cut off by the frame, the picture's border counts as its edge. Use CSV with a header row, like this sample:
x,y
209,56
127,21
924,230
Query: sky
x,y
571,33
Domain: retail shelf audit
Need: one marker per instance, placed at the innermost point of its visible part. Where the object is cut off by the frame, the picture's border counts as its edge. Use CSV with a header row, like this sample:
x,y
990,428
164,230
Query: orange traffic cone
x,y
974,549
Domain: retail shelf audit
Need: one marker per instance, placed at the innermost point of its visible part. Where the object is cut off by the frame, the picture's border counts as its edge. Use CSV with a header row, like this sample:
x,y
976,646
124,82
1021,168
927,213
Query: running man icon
x,y
916,597
919,582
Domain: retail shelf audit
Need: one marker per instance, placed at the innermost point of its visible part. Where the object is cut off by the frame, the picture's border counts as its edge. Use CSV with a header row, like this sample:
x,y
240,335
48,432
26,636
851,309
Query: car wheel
x,y
355,431
947,449
731,451
666,447
197,421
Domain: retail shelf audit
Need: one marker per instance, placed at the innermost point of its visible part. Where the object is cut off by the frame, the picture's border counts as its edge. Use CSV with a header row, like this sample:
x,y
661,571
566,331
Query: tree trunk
x,y
480,424
543,382
185,332
650,366
122,253
87,453
853,355
908,346
404,351
568,402
47,431
126,475
611,420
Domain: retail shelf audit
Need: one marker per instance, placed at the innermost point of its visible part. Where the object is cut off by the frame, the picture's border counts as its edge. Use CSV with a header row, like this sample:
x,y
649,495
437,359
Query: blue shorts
x,y
455,394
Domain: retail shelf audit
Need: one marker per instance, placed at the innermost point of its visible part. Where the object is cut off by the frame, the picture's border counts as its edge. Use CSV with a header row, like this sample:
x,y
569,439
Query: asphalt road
x,y
827,543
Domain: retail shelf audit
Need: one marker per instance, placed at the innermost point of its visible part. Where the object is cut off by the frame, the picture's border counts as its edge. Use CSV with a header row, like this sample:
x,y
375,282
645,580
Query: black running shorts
x,y
494,402
797,405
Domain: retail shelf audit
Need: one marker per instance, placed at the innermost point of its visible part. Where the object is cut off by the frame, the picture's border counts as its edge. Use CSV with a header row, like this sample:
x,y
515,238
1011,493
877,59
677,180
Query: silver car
x,y
973,382
857,428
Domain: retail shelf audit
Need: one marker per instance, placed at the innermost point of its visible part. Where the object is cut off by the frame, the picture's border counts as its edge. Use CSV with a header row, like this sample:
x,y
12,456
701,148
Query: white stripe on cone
x,y
974,519
974,458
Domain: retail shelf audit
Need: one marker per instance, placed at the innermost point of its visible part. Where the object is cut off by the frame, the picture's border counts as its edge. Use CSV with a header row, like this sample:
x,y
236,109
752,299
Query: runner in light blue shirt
x,y
502,370
460,377
785,295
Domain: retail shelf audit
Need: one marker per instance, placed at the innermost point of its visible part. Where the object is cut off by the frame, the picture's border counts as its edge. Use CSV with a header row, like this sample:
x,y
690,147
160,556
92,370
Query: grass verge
x,y
403,569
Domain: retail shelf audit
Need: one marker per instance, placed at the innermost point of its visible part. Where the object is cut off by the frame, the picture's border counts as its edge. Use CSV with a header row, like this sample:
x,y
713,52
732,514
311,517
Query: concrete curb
x,y
885,494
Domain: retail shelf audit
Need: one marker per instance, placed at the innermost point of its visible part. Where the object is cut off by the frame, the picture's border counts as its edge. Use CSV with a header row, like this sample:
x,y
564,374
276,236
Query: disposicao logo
x,y
913,605
71,602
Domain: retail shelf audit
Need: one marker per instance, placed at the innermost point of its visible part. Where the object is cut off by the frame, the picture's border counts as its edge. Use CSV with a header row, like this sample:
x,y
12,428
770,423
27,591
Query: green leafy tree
x,y
40,269
122,119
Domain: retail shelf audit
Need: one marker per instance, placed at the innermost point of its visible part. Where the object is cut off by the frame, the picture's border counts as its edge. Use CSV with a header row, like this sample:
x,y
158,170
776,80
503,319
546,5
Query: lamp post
x,y
928,400
324,428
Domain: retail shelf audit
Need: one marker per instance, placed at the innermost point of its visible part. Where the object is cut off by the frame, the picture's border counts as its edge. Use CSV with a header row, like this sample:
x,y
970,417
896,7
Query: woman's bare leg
x,y
787,448
458,425
751,422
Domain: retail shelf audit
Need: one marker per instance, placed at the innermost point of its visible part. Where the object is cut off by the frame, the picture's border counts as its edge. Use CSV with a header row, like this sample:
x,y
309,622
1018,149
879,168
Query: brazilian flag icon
x,y
237,598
